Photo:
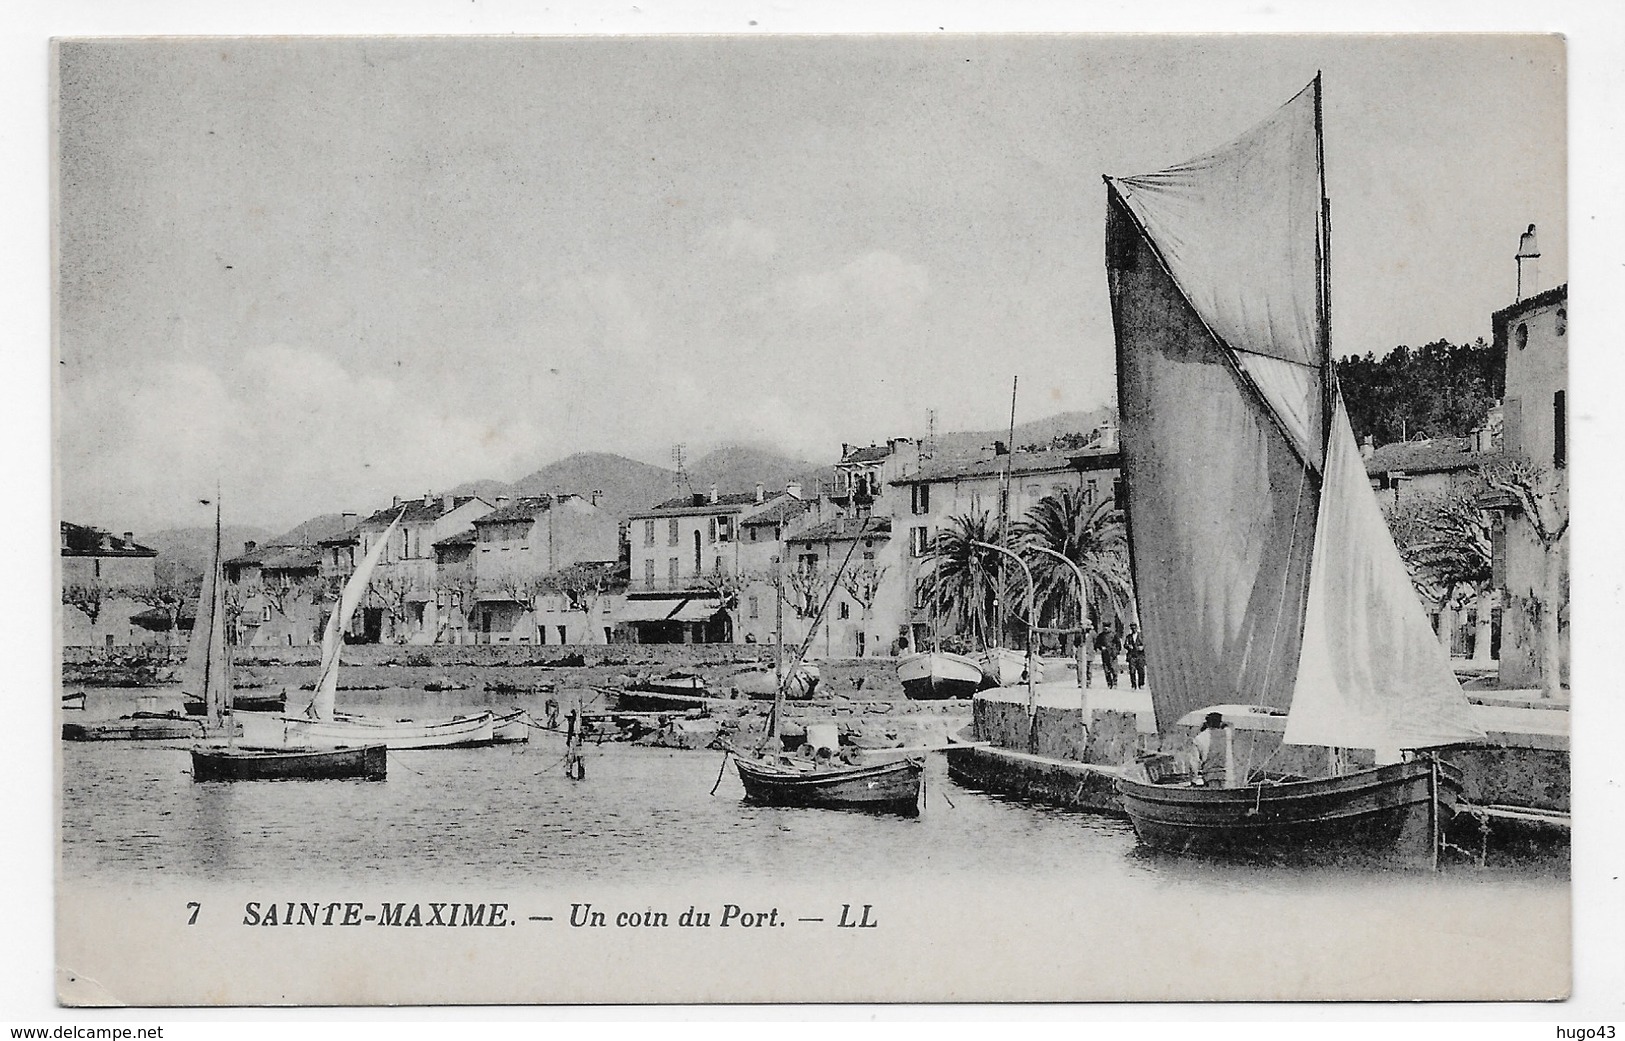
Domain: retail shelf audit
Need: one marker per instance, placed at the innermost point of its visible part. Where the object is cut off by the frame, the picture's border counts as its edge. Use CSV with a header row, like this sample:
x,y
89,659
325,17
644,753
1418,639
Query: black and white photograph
x,y
671,519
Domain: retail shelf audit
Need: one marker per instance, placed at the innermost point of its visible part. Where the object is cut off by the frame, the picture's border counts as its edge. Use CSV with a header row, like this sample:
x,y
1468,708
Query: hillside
x,y
740,468
1036,431
183,553
624,485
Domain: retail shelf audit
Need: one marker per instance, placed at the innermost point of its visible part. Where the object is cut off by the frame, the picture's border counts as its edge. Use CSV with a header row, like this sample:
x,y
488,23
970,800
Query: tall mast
x,y
1004,510
1323,280
778,650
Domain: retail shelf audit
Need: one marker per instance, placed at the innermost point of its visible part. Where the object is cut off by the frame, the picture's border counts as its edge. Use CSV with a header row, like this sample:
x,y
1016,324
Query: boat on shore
x,y
1266,573
635,699
937,675
320,725
137,726
760,685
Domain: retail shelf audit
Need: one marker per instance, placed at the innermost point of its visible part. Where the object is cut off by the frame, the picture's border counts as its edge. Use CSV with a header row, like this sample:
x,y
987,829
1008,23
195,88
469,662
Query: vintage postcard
x,y
972,518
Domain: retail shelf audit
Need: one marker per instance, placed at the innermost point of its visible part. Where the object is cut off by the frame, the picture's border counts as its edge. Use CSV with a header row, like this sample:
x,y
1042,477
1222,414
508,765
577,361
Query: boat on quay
x,y
320,725
939,675
1288,597
759,684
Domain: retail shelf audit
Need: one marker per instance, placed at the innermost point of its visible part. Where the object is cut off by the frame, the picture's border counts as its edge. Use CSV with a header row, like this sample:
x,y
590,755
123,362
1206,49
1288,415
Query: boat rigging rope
x,y
720,772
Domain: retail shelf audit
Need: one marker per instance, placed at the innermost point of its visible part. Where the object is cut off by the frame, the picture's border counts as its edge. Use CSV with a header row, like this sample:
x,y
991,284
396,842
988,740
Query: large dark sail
x,y
1264,572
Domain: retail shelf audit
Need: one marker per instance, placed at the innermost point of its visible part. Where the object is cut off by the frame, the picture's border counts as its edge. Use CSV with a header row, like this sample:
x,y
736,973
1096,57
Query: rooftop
x,y
1018,462
280,557
419,510
869,454
1429,455
844,528
462,538
700,503
784,510
81,541
524,508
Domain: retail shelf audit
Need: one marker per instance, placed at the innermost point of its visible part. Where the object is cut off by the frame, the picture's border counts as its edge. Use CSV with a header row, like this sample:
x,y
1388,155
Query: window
x,y
809,561
711,529
753,534
563,638
843,610
1089,494
1560,430
918,541
725,529
755,607
672,534
648,533
648,574
266,613
920,498
671,571
1562,321
1522,336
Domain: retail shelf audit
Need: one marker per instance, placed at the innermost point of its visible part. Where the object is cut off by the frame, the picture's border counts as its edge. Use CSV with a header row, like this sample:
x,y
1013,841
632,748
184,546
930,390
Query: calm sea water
x,y
508,813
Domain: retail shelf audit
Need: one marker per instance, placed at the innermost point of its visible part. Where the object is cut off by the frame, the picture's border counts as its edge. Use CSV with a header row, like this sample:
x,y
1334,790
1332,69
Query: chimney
x,y
714,496
248,547
1528,259
846,449
596,492
448,502
761,492
397,503
348,520
793,489
428,498
129,538
1368,448
1108,436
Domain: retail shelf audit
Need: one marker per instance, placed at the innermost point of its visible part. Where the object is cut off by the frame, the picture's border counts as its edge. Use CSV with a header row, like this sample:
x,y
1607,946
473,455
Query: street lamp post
x,y
1083,611
1032,595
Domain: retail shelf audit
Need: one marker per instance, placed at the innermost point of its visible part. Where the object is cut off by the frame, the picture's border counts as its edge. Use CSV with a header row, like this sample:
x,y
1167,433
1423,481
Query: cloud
x,y
739,238
286,431
876,283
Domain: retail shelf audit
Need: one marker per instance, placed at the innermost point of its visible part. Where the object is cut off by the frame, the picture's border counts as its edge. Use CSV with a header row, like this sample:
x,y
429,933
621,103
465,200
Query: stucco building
x,y
99,572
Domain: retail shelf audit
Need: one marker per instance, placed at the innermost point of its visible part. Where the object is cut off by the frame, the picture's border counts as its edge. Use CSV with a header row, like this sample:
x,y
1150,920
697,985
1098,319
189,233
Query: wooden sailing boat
x,y
1265,572
206,676
319,725
817,776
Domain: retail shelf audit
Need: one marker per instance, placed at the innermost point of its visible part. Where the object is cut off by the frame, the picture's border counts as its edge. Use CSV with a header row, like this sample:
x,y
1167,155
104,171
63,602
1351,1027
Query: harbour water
x,y
987,897
508,814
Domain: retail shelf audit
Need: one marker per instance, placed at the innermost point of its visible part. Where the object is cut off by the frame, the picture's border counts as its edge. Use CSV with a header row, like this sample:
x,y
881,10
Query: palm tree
x,y
1095,538
961,583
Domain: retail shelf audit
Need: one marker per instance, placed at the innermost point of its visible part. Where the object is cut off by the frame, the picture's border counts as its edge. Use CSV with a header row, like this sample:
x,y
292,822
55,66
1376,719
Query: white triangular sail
x,y
1372,674
324,697
204,674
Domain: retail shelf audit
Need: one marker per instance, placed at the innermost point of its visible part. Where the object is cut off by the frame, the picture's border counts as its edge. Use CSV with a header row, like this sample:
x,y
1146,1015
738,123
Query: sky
x,y
325,272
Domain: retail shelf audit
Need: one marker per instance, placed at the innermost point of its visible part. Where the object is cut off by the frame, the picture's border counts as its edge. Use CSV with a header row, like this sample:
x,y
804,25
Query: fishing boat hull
x,y
937,675
892,787
365,763
510,727
244,703
263,730
1372,810
1002,667
759,684
134,728
637,699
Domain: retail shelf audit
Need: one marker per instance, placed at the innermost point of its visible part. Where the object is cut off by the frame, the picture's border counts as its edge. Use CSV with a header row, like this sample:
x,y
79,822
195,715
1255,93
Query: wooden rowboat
x,y
366,763
892,787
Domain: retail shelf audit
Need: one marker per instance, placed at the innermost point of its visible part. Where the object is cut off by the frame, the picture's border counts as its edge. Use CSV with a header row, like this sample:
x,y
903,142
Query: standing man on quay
x,y
1134,654
1108,644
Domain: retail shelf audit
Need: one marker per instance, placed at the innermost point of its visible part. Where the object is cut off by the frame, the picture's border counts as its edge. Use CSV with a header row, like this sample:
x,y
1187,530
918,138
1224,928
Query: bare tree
x,y
862,583
87,598
171,598
584,587
392,591
1541,501
805,587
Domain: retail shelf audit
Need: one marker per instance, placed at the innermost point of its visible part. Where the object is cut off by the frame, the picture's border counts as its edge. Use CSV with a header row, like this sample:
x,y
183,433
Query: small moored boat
x,y
781,781
367,763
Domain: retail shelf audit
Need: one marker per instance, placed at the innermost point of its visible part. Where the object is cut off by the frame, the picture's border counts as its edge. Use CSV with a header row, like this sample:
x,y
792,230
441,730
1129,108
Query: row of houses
x,y
837,568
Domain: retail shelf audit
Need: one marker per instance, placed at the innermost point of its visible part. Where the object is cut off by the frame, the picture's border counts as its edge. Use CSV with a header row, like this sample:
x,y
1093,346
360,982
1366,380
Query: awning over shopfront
x,y
669,609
